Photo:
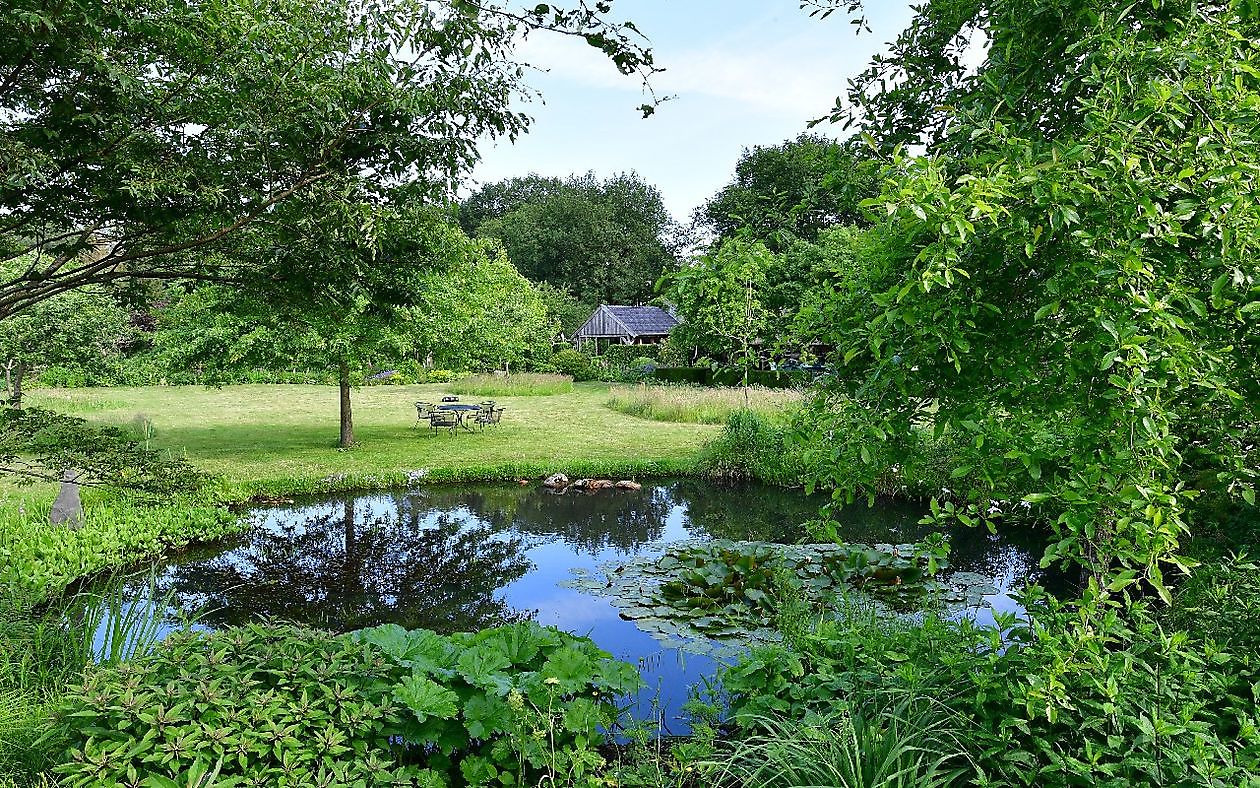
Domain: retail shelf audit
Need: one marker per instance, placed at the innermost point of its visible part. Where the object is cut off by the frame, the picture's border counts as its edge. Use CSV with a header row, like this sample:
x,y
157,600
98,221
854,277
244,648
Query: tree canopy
x,y
605,241
1071,299
136,137
792,190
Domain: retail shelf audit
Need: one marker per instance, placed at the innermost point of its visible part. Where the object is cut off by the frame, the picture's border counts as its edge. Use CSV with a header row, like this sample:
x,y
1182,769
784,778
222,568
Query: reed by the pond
x,y
521,384
699,405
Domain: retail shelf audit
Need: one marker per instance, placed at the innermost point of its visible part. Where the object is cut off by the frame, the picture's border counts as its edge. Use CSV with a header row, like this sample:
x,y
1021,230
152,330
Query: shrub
x,y
695,405
522,384
575,364
753,446
628,356
266,706
698,376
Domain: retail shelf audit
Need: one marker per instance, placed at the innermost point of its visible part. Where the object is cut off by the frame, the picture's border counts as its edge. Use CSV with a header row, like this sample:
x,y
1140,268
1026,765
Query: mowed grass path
x,y
262,436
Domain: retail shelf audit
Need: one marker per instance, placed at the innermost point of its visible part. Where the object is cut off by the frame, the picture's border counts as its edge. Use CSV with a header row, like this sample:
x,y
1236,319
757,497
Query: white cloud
x,y
793,76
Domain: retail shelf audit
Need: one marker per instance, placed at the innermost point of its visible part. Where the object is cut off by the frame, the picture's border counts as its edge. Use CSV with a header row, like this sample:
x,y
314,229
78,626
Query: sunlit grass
x,y
282,438
526,384
699,405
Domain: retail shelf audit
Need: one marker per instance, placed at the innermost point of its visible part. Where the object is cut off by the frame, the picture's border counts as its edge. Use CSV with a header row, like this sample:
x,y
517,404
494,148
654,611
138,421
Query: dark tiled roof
x,y
644,320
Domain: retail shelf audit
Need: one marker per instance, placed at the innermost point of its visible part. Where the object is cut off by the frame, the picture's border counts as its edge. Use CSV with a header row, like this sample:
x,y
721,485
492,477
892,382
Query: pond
x,y
461,558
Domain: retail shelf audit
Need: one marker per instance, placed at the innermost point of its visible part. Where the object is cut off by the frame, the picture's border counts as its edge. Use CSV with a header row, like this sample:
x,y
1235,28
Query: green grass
x,y
697,405
524,384
281,438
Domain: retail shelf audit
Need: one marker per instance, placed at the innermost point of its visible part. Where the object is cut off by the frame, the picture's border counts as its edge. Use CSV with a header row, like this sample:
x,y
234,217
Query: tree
x,y
792,190
477,312
604,241
1073,299
424,289
718,298
40,445
138,137
73,329
567,311
391,253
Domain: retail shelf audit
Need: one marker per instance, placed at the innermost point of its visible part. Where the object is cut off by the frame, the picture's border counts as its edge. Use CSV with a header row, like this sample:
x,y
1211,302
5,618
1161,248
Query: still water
x,y
461,558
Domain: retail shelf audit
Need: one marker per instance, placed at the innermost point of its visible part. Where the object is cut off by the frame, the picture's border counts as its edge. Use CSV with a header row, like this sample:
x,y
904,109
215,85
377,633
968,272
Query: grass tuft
x,y
697,405
524,384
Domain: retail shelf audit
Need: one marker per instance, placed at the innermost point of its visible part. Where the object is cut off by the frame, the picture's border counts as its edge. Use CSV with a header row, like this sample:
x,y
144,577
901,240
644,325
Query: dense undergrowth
x,y
268,706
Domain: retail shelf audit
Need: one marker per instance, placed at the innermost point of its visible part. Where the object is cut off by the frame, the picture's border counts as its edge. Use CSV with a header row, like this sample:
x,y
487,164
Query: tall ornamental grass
x,y
697,405
522,384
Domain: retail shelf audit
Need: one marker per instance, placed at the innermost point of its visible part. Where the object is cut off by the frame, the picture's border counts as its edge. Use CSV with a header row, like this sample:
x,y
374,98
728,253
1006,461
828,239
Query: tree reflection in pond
x,y
469,557
347,564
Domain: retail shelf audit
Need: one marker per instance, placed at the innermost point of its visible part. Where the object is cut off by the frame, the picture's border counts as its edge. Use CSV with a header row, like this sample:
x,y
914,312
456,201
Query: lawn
x,y
281,438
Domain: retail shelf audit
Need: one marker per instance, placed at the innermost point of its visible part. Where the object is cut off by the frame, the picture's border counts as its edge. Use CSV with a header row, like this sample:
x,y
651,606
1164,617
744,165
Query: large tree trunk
x,y
15,384
347,421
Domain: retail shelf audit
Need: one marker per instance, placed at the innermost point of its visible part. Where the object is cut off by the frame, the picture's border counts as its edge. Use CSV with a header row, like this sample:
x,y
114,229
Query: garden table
x,y
461,412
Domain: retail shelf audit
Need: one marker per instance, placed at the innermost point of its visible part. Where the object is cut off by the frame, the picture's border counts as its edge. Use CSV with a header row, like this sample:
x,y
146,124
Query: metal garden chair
x,y
444,419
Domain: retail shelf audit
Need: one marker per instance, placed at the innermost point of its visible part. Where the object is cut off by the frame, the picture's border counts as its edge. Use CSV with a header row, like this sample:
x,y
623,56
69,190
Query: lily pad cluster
x,y
716,596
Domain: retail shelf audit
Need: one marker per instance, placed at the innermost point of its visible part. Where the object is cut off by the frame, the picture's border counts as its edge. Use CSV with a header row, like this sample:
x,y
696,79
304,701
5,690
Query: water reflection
x,y
453,559
353,563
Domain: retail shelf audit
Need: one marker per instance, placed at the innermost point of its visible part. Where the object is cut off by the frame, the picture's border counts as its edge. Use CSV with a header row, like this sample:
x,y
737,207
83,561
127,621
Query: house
x,y
626,325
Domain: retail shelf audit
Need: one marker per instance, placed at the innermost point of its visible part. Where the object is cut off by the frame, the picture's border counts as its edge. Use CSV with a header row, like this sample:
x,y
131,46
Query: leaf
x,y
483,665
485,716
569,669
426,698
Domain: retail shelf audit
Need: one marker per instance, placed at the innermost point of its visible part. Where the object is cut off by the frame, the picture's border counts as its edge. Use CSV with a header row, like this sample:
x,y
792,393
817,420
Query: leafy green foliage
x,y
266,705
39,561
575,364
144,136
1077,696
753,446
789,191
718,297
38,444
475,311
1070,298
603,241
79,329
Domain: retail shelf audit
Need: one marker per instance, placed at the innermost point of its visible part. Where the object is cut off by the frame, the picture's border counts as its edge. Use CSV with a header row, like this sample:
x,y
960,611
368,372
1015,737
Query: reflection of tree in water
x,y
349,564
751,512
1011,556
609,519
771,514
436,557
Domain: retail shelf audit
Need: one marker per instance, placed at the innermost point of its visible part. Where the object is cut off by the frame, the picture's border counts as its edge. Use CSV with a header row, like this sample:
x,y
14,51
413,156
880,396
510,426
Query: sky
x,y
741,73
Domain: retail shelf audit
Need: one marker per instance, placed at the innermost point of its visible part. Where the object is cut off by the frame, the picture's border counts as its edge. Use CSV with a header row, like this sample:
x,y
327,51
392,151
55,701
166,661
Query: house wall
x,y
601,324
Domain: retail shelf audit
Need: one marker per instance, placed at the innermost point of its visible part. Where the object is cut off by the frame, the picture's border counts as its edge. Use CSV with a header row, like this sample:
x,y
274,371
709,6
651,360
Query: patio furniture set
x,y
452,415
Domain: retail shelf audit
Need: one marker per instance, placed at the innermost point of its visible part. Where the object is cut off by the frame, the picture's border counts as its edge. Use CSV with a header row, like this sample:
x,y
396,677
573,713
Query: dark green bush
x,y
759,377
272,706
699,376
575,364
753,446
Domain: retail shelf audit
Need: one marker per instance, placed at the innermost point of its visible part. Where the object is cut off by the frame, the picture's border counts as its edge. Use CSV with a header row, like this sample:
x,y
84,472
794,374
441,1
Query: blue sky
x,y
744,73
